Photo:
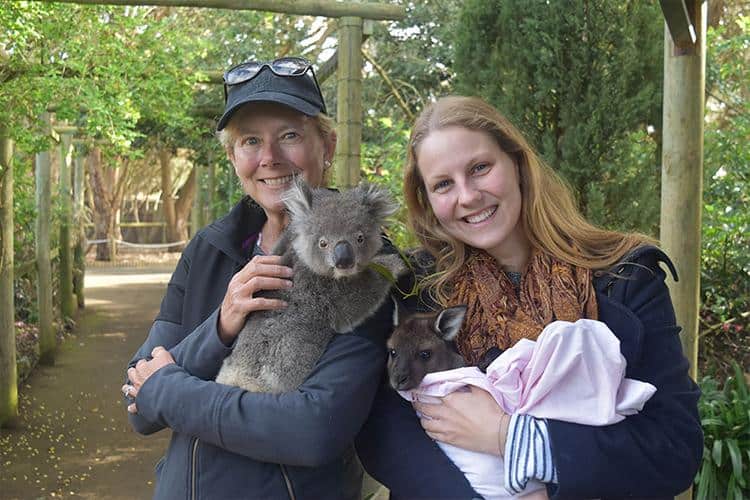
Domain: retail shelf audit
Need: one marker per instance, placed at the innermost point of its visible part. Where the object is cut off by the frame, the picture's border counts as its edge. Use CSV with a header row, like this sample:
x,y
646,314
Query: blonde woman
x,y
507,239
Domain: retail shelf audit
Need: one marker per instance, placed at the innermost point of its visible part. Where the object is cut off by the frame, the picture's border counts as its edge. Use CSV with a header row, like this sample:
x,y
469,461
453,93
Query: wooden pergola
x,y
682,163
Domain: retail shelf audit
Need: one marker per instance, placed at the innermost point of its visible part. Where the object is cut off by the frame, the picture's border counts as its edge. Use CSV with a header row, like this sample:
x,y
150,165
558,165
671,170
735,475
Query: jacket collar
x,y
236,233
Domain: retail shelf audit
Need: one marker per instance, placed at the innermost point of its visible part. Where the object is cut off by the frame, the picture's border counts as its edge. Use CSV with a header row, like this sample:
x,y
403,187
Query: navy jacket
x,y
654,454
229,443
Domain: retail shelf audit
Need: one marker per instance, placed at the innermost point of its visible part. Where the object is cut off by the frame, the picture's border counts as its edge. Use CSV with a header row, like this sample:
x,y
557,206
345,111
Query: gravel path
x,y
73,439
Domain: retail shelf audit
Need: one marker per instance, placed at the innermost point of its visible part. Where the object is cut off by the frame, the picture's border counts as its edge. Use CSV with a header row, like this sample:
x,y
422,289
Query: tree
x,y
582,80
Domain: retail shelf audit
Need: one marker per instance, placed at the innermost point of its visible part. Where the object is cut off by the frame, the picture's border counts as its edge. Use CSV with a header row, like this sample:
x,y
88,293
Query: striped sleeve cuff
x,y
528,454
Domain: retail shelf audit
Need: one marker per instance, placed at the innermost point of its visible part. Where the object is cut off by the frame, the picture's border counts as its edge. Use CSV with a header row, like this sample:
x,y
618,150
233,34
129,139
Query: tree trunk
x,y
167,199
184,205
8,375
104,211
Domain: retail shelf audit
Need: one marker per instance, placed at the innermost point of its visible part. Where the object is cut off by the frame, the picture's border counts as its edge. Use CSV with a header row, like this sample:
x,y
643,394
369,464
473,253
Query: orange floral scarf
x,y
499,315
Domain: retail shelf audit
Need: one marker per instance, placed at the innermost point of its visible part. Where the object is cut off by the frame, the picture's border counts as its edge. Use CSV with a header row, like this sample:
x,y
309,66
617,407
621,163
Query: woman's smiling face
x,y
271,144
473,189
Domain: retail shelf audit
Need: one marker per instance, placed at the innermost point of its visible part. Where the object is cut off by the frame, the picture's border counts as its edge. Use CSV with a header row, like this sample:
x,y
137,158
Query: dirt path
x,y
73,439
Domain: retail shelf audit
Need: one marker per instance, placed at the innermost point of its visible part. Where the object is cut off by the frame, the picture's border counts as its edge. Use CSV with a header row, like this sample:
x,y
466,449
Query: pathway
x,y
73,438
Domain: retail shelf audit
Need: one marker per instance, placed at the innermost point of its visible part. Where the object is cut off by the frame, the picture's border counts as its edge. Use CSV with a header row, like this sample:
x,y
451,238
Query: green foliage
x,y
383,164
725,417
578,78
726,219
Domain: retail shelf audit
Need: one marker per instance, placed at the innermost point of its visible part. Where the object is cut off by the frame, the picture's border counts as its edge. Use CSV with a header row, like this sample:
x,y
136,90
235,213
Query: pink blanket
x,y
573,372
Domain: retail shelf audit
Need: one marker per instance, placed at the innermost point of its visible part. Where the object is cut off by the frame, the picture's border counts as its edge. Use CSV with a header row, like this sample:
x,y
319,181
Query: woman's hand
x,y
468,419
263,272
143,370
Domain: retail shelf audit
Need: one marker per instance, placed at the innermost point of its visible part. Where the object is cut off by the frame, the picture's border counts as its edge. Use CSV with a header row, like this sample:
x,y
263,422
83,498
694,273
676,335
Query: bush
x,y
725,417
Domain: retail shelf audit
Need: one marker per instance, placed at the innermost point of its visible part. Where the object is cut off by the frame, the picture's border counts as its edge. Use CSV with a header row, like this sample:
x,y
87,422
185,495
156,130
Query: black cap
x,y
298,92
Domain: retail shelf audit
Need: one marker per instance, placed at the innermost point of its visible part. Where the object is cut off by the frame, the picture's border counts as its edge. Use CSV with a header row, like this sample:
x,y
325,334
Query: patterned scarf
x,y
499,315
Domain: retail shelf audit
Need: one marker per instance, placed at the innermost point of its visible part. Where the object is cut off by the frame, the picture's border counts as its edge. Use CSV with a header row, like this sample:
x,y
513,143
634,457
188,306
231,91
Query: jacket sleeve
x,y
395,450
200,353
657,451
308,427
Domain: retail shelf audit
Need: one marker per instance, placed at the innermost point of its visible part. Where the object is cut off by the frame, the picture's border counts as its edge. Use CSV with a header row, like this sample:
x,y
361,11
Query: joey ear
x,y
298,198
399,312
379,202
448,322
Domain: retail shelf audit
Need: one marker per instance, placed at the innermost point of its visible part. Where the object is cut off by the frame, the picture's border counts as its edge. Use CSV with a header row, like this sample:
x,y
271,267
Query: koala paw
x,y
393,262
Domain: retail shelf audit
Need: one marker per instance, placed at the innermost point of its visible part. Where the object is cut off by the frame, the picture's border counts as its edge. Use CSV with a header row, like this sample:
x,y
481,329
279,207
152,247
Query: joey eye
x,y
322,242
392,353
425,355
360,238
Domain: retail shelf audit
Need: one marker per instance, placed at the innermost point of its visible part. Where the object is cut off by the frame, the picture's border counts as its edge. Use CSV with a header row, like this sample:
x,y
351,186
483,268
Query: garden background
x,y
582,79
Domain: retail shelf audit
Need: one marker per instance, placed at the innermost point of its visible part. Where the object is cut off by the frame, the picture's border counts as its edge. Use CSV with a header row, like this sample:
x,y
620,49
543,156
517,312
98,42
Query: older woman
x,y
509,242
227,442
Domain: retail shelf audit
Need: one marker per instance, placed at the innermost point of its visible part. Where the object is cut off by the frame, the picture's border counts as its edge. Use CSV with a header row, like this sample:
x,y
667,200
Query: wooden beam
x,y
682,177
680,22
326,8
47,338
8,373
349,104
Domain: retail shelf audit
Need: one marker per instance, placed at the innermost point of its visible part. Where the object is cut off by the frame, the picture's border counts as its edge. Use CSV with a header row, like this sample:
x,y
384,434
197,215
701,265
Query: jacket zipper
x,y
193,471
288,482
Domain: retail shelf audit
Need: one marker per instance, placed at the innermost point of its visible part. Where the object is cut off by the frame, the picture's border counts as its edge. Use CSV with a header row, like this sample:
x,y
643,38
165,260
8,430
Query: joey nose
x,y
343,255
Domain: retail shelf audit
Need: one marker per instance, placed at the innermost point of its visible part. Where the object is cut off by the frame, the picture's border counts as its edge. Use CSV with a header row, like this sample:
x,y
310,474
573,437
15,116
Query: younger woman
x,y
508,240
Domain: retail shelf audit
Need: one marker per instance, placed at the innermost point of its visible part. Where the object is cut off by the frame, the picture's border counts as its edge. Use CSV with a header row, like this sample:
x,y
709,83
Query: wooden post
x,y
682,174
349,105
79,251
47,340
65,268
8,375
211,188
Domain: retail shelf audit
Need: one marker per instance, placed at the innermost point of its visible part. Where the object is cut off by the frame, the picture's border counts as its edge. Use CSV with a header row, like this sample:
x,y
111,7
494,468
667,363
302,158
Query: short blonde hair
x,y
550,217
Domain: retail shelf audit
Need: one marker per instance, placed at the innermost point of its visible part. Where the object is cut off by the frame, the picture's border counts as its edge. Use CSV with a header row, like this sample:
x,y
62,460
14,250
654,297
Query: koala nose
x,y
343,255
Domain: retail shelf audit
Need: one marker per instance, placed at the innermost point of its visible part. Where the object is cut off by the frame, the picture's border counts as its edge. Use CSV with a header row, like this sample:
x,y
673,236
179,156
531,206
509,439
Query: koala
x,y
422,344
330,242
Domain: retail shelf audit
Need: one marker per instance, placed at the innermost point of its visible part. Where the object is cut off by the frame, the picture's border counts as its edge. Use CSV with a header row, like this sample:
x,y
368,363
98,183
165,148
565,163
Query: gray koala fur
x,y
331,238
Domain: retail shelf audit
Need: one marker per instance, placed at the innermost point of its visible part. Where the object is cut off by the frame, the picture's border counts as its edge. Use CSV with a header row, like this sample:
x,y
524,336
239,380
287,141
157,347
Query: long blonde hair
x,y
551,220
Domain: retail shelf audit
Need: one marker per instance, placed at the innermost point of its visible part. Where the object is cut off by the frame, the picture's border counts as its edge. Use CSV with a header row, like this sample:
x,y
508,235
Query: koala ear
x,y
378,200
298,198
448,322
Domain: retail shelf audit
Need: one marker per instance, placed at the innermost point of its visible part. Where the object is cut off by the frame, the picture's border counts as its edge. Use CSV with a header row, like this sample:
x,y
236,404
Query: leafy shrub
x,y
725,417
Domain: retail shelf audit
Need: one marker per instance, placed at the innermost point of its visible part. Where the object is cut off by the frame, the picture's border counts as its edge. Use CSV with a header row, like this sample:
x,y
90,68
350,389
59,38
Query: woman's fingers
x,y
263,265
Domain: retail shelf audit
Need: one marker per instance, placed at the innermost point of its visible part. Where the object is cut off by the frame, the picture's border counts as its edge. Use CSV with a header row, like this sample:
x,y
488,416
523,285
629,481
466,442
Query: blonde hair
x,y
551,220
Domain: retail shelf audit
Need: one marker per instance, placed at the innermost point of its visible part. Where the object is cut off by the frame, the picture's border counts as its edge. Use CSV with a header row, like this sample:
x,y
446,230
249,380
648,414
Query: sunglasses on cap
x,y
283,66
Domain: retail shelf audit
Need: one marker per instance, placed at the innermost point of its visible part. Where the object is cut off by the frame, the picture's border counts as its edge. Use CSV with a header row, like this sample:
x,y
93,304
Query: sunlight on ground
x,y
100,278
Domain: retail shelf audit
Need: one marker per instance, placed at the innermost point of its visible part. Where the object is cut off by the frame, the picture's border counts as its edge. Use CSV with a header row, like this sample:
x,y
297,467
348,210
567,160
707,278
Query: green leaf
x,y
716,452
736,458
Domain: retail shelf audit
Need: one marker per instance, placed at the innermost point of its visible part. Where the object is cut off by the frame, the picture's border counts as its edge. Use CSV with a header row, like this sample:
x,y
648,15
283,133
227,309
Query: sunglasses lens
x,y
241,73
289,66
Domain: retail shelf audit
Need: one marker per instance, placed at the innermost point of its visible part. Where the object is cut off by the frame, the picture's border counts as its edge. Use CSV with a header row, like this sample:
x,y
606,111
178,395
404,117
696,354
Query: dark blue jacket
x,y
228,443
654,454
